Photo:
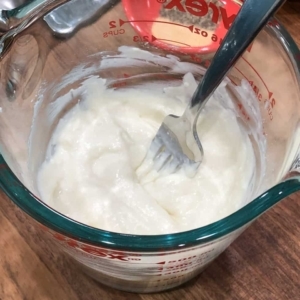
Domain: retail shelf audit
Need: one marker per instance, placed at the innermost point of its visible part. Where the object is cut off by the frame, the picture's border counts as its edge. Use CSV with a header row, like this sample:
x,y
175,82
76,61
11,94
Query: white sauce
x,y
90,173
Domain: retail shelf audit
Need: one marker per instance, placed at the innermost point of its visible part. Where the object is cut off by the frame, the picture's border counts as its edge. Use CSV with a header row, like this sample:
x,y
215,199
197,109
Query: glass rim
x,y
68,227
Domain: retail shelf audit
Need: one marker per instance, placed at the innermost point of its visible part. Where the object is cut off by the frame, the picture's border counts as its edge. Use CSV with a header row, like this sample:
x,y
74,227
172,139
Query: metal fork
x,y
171,148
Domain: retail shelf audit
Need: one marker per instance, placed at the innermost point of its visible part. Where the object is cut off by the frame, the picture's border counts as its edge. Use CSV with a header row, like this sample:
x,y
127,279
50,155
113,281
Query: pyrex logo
x,y
89,249
201,8
104,254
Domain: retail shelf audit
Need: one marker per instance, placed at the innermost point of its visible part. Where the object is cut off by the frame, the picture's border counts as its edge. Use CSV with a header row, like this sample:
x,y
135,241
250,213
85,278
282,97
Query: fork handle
x,y
252,17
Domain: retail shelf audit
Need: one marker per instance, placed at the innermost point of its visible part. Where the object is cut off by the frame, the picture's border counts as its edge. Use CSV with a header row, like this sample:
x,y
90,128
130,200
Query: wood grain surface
x,y
264,263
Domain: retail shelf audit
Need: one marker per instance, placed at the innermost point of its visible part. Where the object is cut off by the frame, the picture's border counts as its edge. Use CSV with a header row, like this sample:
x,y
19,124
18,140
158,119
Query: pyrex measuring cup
x,y
49,50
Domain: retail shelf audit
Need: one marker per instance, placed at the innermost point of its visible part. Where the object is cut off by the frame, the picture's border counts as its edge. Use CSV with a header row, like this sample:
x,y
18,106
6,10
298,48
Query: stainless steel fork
x,y
173,148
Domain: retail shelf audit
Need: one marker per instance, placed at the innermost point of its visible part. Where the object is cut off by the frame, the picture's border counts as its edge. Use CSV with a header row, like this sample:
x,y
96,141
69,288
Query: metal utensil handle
x,y
11,4
253,15
21,17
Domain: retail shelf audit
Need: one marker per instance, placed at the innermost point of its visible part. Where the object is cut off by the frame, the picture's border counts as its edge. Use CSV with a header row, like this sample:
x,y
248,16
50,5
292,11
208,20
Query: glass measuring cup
x,y
35,70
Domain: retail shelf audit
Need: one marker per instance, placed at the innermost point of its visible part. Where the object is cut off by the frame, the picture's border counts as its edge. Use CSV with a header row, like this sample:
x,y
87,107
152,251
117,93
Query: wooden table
x,y
264,263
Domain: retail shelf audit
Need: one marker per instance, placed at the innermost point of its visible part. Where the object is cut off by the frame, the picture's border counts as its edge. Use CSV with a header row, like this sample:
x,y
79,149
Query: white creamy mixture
x,y
90,173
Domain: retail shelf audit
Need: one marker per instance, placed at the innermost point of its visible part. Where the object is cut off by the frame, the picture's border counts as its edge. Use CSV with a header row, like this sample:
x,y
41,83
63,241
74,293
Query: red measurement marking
x,y
178,267
196,58
139,39
122,22
273,23
200,32
241,73
256,90
207,63
182,259
119,84
233,82
174,272
112,24
169,278
270,93
241,107
250,47
113,33
171,41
